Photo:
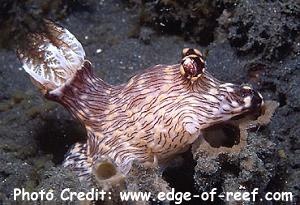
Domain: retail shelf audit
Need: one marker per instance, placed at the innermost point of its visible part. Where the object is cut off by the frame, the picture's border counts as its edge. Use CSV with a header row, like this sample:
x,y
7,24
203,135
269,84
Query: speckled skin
x,y
154,116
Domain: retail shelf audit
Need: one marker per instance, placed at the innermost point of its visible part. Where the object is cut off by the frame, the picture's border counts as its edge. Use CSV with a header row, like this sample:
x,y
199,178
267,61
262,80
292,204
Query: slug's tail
x,y
51,57
77,161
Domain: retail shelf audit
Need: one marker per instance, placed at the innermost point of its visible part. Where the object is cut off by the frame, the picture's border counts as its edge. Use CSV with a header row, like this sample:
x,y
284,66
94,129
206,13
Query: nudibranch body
x,y
157,114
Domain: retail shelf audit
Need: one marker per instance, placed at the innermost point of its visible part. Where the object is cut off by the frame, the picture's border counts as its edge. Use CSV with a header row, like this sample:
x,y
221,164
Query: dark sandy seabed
x,y
248,41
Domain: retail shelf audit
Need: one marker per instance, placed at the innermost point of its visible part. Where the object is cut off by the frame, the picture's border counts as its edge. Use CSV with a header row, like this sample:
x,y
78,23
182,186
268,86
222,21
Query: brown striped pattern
x,y
152,117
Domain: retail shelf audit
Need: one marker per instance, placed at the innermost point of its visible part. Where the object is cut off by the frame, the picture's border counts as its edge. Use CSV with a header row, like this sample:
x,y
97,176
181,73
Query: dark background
x,y
255,42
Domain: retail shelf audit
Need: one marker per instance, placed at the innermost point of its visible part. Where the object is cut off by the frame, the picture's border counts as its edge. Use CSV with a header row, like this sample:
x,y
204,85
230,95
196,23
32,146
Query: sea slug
x,y
154,116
